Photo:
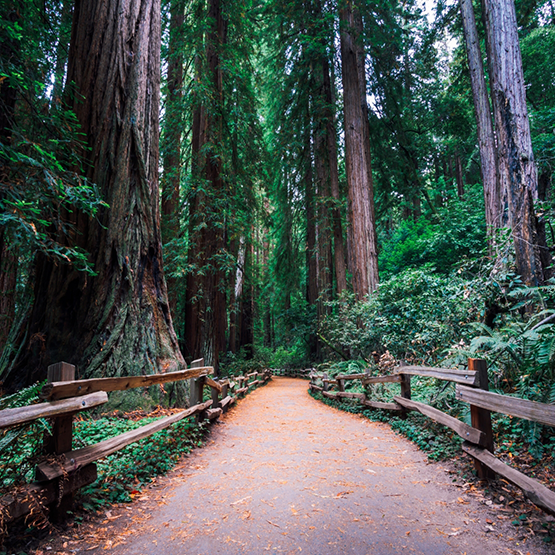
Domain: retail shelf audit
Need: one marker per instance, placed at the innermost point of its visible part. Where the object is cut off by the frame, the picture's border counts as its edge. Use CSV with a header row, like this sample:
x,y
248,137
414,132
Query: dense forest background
x,y
277,183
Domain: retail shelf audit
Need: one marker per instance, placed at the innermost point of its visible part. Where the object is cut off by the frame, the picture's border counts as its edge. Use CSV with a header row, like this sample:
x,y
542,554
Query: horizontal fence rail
x,y
65,470
471,387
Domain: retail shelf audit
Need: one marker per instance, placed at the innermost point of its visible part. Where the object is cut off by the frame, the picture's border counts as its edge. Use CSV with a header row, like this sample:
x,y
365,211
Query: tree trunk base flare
x,y
117,322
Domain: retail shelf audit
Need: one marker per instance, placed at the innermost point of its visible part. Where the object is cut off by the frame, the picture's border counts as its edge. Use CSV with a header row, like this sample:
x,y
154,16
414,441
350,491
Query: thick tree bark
x,y
495,206
517,169
116,322
363,241
172,138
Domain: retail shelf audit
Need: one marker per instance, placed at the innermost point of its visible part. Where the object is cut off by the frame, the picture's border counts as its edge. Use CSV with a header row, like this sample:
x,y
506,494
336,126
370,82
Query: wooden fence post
x,y
481,418
196,386
215,398
405,388
62,430
61,440
341,385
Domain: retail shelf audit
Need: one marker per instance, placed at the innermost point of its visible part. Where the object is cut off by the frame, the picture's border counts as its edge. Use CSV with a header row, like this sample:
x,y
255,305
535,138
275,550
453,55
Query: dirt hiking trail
x,y
284,473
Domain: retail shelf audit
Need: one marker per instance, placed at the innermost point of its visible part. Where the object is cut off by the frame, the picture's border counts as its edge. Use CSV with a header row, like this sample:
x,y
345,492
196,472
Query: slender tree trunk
x,y
460,178
357,159
495,208
311,252
117,322
325,281
246,336
62,50
8,258
171,144
332,165
517,169
312,290
206,313
234,320
193,296
8,282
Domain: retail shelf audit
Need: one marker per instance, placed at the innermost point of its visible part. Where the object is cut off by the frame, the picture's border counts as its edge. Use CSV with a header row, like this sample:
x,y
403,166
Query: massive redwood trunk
x,y
517,168
495,207
363,240
117,322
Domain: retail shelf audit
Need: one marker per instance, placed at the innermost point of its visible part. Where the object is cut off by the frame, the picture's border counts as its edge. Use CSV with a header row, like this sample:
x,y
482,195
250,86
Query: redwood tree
x,y
206,316
495,213
116,322
363,240
517,168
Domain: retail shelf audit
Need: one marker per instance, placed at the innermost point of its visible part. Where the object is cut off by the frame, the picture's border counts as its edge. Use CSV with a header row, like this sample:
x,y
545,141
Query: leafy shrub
x,y
415,315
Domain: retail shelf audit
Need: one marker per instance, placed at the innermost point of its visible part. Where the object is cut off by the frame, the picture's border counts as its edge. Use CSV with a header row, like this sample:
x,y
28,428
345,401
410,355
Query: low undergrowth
x,y
121,475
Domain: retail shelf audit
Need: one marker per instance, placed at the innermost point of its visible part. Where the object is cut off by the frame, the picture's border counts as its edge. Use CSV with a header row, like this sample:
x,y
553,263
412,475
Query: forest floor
x,y
284,473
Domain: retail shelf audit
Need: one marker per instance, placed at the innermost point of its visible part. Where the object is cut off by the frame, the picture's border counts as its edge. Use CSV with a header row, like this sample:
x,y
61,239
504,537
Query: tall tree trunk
x,y
62,50
363,241
495,207
311,254
234,318
460,177
312,290
8,282
206,316
8,258
193,298
171,145
246,335
116,322
517,169
325,281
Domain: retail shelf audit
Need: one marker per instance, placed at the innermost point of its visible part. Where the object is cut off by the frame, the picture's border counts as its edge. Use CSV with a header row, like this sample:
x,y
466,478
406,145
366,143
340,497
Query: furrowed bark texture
x,y
117,322
363,244
517,169
495,208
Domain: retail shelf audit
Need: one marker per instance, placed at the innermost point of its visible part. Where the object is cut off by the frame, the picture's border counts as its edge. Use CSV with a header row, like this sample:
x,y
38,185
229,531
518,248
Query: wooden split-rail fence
x,y
66,470
472,388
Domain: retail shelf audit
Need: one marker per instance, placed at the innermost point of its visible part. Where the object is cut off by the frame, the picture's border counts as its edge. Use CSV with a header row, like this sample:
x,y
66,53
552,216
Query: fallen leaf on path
x,y
241,500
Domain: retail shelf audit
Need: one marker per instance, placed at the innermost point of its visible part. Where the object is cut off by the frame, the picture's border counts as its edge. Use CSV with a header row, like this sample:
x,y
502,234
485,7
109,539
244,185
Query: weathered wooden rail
x,y
472,388
65,470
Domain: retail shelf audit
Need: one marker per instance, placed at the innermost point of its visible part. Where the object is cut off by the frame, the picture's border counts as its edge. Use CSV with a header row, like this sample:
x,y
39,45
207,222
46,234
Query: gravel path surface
x,y
284,473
